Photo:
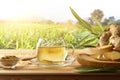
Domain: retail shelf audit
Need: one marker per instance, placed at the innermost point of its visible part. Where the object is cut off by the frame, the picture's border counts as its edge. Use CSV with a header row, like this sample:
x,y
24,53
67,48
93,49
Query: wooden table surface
x,y
34,72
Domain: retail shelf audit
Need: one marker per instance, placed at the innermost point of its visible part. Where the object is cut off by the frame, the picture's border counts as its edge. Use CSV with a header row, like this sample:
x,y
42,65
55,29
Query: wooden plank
x,y
28,69
38,70
34,72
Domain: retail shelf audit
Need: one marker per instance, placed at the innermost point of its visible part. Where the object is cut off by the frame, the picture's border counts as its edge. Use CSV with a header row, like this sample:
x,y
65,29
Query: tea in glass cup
x,y
51,53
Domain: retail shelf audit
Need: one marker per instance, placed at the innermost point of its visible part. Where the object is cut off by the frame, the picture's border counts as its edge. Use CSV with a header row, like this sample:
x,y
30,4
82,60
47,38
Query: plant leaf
x,y
98,23
82,22
88,41
82,40
91,69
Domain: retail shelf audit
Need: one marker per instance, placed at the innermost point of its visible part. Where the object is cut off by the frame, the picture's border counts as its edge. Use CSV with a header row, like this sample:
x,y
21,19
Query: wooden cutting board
x,y
87,60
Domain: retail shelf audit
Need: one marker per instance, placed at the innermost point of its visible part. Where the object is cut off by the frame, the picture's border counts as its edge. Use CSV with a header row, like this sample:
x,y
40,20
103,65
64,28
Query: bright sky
x,y
56,10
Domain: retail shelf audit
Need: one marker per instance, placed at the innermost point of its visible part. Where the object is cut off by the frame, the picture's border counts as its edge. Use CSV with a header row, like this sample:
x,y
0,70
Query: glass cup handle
x,y
71,54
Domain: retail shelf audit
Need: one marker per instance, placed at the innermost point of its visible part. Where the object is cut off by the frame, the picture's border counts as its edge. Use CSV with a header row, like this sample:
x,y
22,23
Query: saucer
x,y
68,61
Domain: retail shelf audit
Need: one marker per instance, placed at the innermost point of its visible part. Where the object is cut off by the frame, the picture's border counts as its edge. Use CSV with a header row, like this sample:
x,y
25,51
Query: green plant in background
x,y
88,36
26,35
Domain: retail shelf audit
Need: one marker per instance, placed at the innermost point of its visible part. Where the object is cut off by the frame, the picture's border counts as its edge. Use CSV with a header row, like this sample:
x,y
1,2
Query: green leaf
x,y
92,69
88,41
85,37
82,40
98,23
82,22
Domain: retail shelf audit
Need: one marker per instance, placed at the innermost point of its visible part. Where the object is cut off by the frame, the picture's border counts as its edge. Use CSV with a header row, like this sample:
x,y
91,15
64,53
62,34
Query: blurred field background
x,y
81,34
22,26
16,35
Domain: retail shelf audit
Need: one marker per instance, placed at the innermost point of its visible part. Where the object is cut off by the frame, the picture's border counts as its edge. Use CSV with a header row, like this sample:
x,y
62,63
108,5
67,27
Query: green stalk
x,y
82,22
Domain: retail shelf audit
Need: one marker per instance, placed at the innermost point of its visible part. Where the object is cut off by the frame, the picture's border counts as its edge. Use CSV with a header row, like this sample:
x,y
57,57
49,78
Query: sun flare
x,y
14,9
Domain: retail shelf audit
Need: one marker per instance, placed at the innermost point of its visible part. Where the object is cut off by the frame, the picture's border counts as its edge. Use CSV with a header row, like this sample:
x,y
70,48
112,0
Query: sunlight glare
x,y
14,9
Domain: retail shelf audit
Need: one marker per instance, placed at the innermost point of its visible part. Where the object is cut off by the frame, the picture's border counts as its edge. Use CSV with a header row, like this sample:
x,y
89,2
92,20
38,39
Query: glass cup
x,y
53,53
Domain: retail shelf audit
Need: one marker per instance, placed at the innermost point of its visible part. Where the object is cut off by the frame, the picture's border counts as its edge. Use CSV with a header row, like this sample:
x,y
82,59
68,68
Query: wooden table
x,y
33,72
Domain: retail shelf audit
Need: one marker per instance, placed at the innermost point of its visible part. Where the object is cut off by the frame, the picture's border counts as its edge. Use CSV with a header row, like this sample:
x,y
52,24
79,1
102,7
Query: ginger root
x,y
111,36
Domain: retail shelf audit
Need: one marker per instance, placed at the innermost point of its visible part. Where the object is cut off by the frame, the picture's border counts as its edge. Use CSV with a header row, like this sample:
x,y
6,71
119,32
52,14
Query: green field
x,y
25,35
15,35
